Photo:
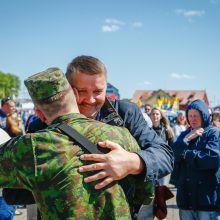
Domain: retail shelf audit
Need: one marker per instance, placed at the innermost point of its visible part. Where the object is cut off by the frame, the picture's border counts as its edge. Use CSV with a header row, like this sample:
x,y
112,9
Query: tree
x,y
9,84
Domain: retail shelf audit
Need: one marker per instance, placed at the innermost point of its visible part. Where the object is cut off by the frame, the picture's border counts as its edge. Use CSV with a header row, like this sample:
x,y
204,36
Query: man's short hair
x,y
86,64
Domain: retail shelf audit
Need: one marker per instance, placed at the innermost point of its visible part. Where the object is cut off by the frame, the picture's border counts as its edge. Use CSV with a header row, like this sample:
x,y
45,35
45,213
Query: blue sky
x,y
145,44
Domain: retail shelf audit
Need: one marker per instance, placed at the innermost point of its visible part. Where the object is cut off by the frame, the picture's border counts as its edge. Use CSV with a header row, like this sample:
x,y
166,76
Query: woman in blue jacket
x,y
197,158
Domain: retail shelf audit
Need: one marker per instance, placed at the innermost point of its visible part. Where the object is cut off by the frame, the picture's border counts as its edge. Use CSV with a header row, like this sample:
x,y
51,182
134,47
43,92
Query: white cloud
x,y
137,24
147,83
181,76
189,14
112,25
110,28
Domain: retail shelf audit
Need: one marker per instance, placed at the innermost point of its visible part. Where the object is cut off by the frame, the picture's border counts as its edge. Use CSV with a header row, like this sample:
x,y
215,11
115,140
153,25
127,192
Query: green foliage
x,y
9,84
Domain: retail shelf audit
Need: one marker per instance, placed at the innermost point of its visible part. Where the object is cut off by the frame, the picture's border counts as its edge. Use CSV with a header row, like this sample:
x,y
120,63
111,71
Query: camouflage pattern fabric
x,y
47,163
46,83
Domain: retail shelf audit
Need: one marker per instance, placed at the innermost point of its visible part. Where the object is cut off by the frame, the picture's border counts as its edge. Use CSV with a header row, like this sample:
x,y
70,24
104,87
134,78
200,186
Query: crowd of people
x,y
195,140
134,150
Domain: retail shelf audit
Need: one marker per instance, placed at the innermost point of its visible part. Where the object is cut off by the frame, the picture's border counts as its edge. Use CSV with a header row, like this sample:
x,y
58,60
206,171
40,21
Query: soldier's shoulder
x,y
97,126
44,133
45,137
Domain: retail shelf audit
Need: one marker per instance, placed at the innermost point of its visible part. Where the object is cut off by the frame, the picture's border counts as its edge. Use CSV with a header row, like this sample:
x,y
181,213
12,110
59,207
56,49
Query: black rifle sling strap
x,y
86,143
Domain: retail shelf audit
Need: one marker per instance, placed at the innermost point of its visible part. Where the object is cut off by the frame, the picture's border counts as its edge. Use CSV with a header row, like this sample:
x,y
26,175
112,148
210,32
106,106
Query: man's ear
x,y
40,114
75,91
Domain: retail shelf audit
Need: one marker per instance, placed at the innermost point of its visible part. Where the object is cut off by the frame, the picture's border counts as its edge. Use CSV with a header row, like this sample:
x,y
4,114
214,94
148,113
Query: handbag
x,y
162,193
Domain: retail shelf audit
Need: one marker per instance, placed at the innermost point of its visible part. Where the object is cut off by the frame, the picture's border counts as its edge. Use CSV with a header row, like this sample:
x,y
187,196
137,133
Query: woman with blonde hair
x,y
162,127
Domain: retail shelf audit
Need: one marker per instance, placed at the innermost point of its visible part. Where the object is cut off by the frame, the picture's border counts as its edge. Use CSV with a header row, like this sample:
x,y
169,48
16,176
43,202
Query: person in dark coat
x,y
197,159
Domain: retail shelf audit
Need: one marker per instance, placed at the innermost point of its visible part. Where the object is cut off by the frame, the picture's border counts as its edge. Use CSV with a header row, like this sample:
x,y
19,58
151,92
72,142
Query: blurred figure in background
x,y
181,124
34,123
146,114
6,211
7,123
13,128
147,109
162,127
214,118
7,107
24,116
13,125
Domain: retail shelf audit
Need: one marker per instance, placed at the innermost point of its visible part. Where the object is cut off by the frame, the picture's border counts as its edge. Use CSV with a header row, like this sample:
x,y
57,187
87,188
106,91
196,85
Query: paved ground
x,y
171,204
23,216
173,213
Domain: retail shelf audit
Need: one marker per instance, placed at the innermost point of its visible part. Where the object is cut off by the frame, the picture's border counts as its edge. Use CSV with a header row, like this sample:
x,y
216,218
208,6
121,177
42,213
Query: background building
x,y
169,99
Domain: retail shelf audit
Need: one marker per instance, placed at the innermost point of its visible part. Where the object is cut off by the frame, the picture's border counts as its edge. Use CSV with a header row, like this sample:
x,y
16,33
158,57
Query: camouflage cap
x,y
47,83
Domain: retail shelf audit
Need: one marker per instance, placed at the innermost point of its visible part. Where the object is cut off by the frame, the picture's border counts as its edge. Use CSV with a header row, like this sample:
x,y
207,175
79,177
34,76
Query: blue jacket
x,y
157,155
198,174
2,120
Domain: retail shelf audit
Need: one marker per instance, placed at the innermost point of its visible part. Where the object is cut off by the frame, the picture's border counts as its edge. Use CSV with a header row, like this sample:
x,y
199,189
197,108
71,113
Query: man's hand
x,y
195,133
115,165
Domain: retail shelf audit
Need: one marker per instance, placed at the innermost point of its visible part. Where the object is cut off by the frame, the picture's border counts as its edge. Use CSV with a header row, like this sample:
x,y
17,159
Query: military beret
x,y
46,84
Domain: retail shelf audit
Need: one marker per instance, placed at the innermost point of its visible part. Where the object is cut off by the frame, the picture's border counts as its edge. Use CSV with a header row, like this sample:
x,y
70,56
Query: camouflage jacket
x,y
47,163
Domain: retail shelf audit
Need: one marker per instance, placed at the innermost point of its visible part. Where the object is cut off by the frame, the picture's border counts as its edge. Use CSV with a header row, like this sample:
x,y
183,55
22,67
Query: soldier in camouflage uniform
x,y
47,162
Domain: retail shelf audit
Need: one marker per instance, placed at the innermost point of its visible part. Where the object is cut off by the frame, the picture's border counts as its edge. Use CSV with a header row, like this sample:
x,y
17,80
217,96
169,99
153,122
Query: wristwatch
x,y
186,140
